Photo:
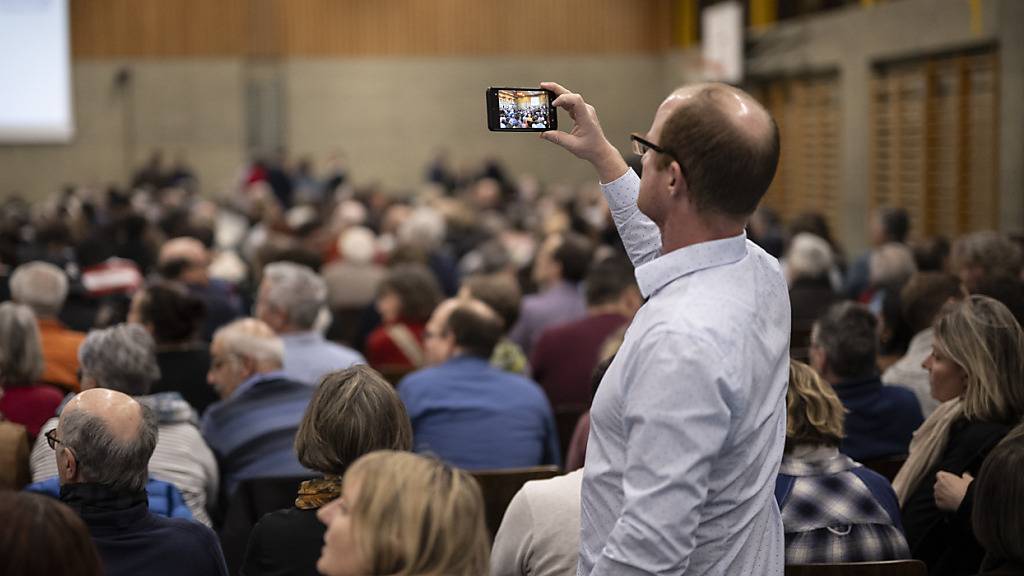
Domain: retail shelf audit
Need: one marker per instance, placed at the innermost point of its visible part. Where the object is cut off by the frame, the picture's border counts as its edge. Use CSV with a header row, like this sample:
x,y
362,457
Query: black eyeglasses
x,y
641,146
51,438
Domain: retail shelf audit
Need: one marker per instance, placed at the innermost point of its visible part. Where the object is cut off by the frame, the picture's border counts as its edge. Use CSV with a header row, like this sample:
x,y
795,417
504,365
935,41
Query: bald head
x,y
106,437
726,143
462,326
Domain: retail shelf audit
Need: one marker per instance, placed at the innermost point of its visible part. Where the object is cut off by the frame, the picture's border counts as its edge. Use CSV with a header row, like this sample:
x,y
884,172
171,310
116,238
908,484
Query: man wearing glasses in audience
x,y
688,426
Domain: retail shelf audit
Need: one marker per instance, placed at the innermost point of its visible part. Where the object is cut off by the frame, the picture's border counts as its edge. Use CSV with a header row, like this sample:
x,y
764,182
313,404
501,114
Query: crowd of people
x,y
758,397
515,116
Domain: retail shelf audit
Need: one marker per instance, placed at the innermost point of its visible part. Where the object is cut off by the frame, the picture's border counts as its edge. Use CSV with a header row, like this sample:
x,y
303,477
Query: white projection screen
x,y
35,72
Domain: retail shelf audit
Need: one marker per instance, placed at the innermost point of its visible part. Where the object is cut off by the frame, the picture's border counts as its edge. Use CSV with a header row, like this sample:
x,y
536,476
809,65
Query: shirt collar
x,y
665,269
302,337
256,379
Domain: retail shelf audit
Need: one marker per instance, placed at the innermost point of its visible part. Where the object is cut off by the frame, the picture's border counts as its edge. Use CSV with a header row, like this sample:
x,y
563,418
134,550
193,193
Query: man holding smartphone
x,y
689,424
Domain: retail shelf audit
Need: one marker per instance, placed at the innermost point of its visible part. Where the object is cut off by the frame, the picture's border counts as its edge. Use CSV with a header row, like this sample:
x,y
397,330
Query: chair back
x,y
887,467
887,568
251,500
499,486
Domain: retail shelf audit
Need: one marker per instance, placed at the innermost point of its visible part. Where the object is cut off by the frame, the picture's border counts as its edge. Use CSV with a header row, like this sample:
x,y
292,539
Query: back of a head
x,y
924,295
809,257
814,413
353,412
728,158
121,358
32,525
574,253
1007,289
415,516
182,249
981,336
118,461
357,245
998,515
175,314
416,288
499,294
847,332
991,253
607,280
253,339
895,224
476,328
21,353
891,265
296,290
41,286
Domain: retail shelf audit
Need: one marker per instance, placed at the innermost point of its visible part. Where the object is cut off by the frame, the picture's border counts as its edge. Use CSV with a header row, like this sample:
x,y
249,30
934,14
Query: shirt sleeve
x,y
677,411
513,544
640,235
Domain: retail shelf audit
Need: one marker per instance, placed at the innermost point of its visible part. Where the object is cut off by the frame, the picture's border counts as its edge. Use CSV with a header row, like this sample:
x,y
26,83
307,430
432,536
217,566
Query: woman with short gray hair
x,y
123,358
25,401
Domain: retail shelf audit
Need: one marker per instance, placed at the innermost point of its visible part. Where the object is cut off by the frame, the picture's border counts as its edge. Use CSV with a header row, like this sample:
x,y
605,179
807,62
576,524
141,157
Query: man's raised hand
x,y
586,140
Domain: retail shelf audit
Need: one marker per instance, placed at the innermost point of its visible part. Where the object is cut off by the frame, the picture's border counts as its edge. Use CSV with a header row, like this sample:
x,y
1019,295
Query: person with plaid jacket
x,y
833,508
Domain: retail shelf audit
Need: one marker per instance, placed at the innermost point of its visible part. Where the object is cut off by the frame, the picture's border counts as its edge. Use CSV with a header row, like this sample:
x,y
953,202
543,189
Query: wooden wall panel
x,y
174,28
158,28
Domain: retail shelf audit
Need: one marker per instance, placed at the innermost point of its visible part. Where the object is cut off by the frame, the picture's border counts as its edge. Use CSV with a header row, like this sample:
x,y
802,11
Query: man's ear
x,y
676,182
69,465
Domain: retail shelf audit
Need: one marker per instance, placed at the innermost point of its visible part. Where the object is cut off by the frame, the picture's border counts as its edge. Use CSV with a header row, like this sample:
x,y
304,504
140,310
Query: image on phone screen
x,y
521,109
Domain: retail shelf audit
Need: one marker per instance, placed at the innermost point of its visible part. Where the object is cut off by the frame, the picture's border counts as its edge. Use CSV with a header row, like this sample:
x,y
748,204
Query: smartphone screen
x,y
520,110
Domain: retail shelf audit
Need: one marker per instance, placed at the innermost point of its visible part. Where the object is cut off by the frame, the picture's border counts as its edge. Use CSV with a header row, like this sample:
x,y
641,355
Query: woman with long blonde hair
x,y
401,514
976,370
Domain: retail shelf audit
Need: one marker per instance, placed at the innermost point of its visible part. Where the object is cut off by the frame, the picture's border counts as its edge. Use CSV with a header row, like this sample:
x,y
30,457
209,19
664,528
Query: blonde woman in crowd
x,y
977,371
402,514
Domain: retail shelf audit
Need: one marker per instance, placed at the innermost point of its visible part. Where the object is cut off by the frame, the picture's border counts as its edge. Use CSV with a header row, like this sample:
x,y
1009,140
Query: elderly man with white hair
x,y
252,428
123,358
291,299
44,287
808,263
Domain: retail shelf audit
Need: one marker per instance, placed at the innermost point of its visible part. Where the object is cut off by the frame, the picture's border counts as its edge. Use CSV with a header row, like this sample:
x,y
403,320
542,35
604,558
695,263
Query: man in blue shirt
x,y
467,412
290,299
880,419
252,428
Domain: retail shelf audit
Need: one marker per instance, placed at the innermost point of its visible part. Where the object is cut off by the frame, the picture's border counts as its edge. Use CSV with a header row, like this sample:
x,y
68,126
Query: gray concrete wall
x,y
190,105
852,39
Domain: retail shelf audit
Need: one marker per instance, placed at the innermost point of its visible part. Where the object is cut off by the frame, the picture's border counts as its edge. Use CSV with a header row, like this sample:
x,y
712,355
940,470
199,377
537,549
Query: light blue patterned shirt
x,y
689,423
308,356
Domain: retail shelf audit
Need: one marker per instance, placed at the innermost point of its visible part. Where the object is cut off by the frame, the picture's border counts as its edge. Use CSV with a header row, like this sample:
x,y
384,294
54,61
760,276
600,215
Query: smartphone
x,y
521,110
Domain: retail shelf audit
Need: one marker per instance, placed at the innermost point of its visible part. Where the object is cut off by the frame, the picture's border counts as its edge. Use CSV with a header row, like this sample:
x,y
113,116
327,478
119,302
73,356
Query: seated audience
x,y
844,350
887,226
985,255
33,525
123,358
103,444
976,369
25,401
503,296
565,355
807,266
352,413
405,299
252,428
43,287
891,267
833,509
405,514
187,260
467,412
922,299
998,517
560,265
175,318
291,297
540,532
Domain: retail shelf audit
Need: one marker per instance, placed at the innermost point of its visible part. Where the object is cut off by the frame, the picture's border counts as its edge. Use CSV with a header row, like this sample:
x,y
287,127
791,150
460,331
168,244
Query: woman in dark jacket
x,y
977,371
175,318
353,412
